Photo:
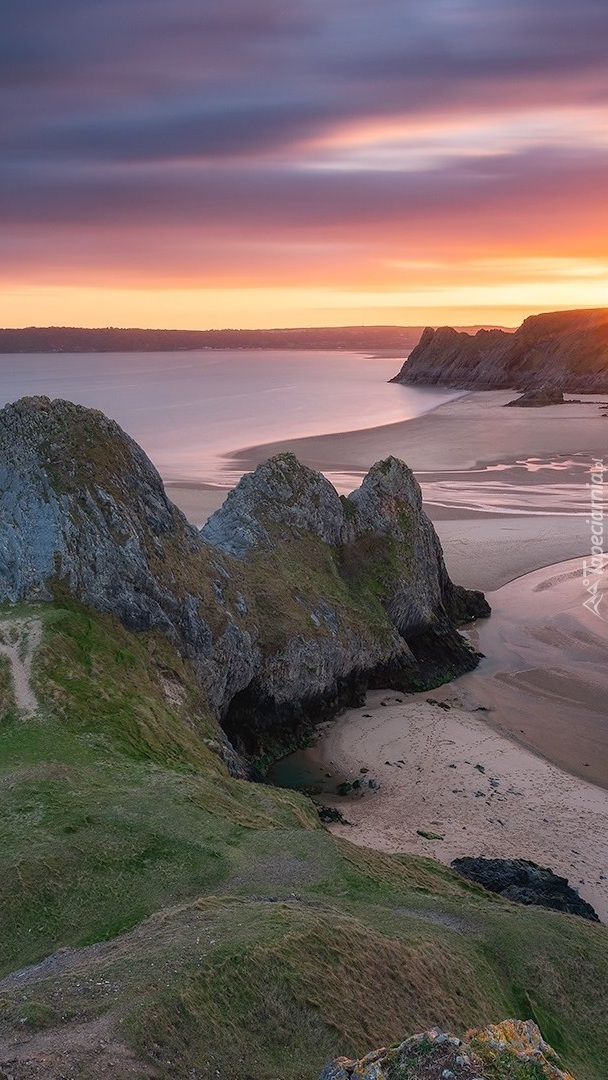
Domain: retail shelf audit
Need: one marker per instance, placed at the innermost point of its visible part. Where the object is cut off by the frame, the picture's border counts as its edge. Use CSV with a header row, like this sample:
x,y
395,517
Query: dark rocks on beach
x,y
524,882
357,786
538,397
330,815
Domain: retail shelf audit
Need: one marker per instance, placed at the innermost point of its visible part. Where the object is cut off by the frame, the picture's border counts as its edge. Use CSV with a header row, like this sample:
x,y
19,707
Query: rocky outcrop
x,y
566,349
537,398
524,882
359,585
499,1052
290,602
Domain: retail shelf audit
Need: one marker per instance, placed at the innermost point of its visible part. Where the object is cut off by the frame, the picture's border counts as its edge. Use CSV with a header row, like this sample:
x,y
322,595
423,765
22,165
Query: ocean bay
x,y
189,410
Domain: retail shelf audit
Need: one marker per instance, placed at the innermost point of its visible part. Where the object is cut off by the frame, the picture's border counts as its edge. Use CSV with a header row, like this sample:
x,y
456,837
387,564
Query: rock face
x,y
291,601
567,350
525,883
499,1052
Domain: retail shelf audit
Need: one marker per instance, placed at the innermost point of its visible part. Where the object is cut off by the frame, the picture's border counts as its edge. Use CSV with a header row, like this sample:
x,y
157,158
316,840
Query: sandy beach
x,y
508,492
446,772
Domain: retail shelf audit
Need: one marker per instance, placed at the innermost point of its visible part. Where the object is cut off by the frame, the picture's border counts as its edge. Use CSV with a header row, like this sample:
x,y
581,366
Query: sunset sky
x,y
212,163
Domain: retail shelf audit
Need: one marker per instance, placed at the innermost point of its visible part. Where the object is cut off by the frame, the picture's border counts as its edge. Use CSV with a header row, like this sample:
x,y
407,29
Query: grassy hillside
x,y
214,927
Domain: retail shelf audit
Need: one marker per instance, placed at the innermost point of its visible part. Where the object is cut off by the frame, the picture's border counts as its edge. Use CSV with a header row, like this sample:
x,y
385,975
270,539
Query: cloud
x,y
130,120
290,196
141,78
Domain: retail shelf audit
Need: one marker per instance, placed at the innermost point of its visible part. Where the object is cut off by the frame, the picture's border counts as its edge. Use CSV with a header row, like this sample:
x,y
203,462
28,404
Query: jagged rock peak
x,y
72,449
381,529
448,357
388,489
281,498
502,1051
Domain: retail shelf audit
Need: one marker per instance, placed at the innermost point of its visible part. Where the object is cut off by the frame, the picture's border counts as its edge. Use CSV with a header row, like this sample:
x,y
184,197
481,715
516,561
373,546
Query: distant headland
x,y
75,339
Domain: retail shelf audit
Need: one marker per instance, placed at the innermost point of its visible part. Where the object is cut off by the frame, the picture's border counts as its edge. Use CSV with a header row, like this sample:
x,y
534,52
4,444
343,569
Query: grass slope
x,y
213,925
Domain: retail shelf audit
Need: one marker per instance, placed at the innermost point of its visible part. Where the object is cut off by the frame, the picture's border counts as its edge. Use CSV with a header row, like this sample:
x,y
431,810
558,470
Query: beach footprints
x,y
19,639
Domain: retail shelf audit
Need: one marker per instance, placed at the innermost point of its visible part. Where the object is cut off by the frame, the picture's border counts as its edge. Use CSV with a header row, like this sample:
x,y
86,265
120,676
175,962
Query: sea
x,y
190,410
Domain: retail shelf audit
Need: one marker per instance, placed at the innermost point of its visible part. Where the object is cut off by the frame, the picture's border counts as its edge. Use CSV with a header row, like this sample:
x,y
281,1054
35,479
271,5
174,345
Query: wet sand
x,y
462,434
505,487
544,678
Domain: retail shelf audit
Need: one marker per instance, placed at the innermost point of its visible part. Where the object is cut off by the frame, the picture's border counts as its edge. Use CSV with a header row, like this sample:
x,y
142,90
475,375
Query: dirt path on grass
x,y
19,639
77,1049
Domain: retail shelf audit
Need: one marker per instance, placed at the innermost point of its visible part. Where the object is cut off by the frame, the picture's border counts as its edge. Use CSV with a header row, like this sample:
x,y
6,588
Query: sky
x,y
257,163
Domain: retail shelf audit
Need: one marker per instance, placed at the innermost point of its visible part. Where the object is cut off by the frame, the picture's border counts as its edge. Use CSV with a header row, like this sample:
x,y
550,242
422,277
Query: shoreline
x,y
463,433
444,770
543,680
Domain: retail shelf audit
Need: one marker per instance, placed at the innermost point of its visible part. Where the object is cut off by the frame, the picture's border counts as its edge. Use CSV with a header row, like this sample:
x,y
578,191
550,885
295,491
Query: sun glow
x,y
501,303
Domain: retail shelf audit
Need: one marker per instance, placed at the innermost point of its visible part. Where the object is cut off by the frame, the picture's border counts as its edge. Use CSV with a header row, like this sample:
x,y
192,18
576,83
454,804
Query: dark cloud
x,y
80,68
265,198
195,130
111,109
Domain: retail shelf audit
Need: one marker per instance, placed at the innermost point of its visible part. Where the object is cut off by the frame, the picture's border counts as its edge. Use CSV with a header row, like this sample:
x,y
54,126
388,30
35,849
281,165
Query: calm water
x,y
187,410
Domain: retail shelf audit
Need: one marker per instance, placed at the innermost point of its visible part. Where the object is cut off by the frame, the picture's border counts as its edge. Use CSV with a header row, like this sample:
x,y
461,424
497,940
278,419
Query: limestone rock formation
x,y
525,883
498,1052
290,602
565,349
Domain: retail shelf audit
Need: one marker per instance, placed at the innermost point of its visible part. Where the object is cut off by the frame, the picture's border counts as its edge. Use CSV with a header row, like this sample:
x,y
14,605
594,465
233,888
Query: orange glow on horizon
x,y
259,308
364,164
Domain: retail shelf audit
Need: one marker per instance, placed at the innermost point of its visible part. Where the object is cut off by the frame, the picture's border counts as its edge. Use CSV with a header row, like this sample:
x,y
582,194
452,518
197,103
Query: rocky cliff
x,y
290,601
566,349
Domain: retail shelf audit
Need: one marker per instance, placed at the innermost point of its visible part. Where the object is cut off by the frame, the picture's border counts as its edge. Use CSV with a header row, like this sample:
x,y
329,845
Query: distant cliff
x,y
565,349
289,603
